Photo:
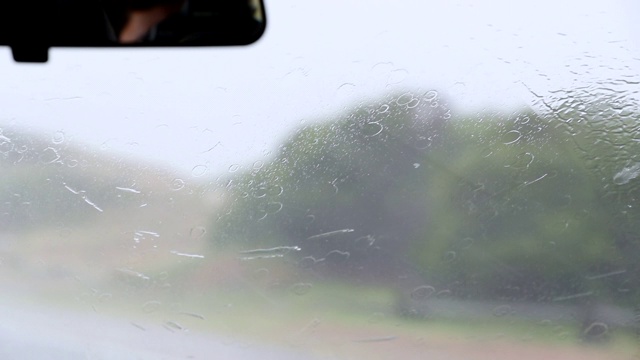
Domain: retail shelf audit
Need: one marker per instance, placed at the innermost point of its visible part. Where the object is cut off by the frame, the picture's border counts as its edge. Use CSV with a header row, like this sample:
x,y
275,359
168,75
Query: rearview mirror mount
x,y
31,27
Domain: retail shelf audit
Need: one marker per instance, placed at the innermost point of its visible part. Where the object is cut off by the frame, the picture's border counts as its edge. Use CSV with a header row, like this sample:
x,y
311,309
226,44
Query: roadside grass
x,y
327,317
269,301
332,315
325,314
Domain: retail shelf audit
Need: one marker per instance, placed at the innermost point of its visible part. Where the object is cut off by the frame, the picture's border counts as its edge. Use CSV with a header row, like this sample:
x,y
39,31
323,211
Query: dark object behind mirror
x,y
31,27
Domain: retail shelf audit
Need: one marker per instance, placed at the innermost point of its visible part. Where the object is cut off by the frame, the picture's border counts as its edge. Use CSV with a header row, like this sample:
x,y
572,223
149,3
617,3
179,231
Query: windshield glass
x,y
375,180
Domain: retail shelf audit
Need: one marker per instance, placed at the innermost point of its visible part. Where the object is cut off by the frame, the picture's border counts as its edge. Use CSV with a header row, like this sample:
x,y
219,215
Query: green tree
x,y
519,216
357,172
490,205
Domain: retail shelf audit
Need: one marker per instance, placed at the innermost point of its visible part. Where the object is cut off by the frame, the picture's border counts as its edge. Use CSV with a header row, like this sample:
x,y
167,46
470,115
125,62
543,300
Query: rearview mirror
x,y
31,27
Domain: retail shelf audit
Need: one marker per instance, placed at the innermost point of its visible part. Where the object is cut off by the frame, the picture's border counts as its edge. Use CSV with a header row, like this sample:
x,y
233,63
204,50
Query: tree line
x,y
521,205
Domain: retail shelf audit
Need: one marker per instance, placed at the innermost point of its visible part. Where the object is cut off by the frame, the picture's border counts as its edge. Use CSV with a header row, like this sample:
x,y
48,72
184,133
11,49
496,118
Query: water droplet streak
x,y
527,183
84,197
627,174
172,325
600,276
276,252
329,234
77,192
377,339
192,256
142,233
574,296
130,190
133,273
197,316
138,326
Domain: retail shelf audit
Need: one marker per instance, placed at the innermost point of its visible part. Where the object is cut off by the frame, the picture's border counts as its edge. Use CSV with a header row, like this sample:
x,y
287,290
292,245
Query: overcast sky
x,y
211,108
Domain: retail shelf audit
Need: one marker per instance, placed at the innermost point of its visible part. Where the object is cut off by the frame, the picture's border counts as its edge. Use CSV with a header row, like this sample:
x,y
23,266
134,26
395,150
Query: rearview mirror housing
x,y
31,27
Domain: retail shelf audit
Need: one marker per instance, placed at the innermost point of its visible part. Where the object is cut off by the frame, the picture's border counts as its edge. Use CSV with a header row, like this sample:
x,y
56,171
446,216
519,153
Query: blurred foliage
x,y
46,181
511,206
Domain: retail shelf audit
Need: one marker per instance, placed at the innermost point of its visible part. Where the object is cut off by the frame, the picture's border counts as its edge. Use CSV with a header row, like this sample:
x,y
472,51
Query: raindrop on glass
x,y
198,170
258,165
5,144
151,306
197,232
177,184
383,109
596,330
511,137
376,317
627,174
337,256
49,155
465,243
301,288
57,137
397,76
307,262
364,242
502,310
405,99
449,256
430,95
413,103
72,163
273,207
422,293
260,192
372,129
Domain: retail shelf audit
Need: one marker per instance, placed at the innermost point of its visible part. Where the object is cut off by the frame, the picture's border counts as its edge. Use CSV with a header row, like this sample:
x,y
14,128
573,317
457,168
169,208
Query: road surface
x,y
36,332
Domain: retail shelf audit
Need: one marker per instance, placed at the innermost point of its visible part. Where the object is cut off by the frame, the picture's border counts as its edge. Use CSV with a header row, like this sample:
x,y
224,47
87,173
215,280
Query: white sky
x,y
317,57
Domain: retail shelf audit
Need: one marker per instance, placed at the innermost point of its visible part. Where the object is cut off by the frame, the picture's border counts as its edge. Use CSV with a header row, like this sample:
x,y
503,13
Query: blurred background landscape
x,y
441,180
397,223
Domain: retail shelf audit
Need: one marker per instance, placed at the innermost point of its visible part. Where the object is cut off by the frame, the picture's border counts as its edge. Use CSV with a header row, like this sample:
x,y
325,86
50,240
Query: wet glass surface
x,y
449,181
